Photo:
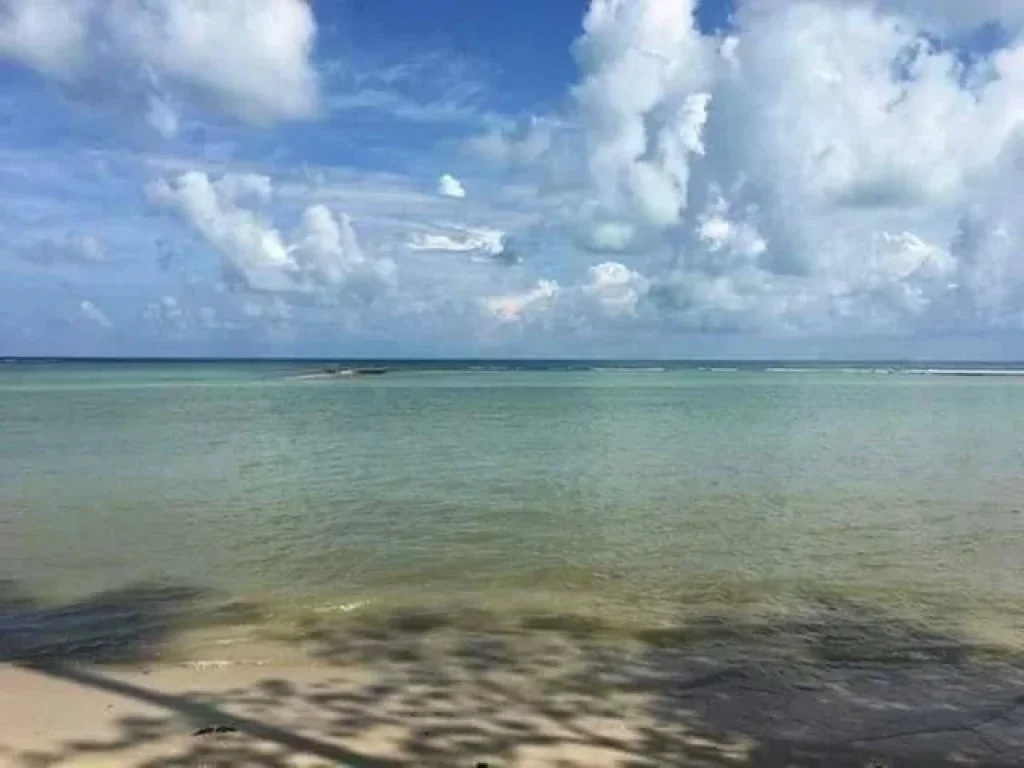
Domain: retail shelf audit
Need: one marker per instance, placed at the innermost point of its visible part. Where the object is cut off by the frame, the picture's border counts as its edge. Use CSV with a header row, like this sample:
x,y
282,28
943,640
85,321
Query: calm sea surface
x,y
635,497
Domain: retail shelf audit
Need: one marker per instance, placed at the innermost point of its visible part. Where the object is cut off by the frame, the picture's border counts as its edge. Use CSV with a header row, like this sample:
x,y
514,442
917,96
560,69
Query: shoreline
x,y
455,697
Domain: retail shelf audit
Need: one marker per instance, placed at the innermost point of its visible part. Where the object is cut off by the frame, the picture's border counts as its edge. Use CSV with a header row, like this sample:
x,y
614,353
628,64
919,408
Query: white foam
x,y
344,607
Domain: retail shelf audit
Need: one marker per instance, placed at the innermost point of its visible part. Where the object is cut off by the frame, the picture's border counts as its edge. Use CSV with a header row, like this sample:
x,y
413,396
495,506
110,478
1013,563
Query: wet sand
x,y
445,698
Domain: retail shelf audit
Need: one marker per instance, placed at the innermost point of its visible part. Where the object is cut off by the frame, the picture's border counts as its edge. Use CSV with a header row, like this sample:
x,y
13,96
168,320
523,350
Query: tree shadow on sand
x,y
844,685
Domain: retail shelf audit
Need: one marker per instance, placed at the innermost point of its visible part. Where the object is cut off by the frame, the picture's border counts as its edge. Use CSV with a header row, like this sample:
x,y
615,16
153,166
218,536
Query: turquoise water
x,y
634,496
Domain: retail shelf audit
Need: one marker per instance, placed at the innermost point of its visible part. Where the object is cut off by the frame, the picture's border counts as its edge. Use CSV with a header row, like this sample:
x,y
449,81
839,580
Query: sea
x,y
240,501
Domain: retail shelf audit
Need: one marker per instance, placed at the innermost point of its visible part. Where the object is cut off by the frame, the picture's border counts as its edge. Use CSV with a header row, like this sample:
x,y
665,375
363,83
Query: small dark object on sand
x,y
209,729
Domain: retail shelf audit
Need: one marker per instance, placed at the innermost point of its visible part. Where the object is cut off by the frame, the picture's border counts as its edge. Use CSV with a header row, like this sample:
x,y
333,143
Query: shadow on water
x,y
120,626
858,688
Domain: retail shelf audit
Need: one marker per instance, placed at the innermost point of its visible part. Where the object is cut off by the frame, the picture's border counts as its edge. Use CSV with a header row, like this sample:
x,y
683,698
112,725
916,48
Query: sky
x,y
538,178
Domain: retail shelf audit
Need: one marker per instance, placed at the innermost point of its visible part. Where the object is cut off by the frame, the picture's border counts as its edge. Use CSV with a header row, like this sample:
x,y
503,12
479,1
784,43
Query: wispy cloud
x,y
437,87
401,106
94,314
80,250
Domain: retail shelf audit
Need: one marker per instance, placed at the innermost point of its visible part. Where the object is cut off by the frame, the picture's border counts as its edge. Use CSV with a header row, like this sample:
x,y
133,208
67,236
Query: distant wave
x,y
872,370
323,376
626,369
965,371
866,370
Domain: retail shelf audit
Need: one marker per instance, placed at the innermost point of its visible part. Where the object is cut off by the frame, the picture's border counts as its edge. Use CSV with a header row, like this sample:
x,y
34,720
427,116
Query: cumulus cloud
x,y
250,57
725,240
610,292
322,256
644,107
94,314
833,165
616,289
449,186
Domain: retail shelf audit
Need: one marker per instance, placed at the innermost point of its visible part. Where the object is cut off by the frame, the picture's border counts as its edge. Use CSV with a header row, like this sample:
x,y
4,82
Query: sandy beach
x,y
443,698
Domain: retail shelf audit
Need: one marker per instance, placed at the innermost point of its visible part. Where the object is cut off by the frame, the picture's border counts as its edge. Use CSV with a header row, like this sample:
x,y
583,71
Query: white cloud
x,y
482,243
517,307
46,34
449,186
94,314
727,241
941,16
839,123
329,253
241,187
904,255
323,256
616,288
643,105
251,57
255,253
611,292
808,174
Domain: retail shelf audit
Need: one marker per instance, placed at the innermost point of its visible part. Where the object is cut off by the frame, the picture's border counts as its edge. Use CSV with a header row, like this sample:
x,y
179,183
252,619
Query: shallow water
x,y
639,498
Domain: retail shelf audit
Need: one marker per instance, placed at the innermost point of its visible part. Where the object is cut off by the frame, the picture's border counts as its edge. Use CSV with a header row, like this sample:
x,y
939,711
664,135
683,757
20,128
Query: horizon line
x,y
381,359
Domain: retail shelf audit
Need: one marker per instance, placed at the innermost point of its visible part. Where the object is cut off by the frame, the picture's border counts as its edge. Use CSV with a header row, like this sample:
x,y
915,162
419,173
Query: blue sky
x,y
572,178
